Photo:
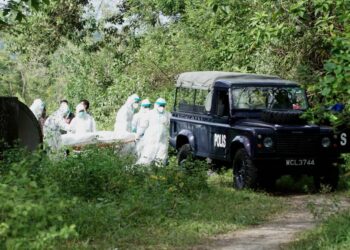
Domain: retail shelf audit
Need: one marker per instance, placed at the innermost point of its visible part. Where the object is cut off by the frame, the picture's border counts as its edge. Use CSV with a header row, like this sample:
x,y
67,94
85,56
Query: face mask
x,y
160,109
81,114
135,105
65,113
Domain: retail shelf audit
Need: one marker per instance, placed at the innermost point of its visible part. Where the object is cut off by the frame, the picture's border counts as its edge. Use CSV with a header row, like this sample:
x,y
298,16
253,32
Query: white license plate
x,y
300,162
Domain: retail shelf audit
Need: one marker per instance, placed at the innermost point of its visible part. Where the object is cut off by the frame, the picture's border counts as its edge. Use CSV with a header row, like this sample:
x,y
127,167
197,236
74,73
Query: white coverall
x,y
53,124
122,126
84,124
140,123
155,140
37,108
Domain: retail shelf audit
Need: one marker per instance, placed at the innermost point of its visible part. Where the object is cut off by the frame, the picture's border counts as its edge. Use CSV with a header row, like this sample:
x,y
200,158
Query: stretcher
x,y
99,138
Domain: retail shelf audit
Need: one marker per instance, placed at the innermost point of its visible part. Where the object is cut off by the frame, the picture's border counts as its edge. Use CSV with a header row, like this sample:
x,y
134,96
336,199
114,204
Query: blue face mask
x,y
161,109
81,114
65,114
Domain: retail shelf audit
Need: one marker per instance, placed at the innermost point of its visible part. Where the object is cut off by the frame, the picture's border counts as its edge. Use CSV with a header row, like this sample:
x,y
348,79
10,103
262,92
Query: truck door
x,y
219,129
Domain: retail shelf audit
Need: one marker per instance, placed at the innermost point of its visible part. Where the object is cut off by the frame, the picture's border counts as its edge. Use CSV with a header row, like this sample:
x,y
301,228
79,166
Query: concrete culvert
x,y
18,124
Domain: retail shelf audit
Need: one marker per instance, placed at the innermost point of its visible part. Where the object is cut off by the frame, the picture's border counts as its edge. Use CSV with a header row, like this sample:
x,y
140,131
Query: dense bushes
x,y
307,41
31,215
43,201
99,199
90,174
104,173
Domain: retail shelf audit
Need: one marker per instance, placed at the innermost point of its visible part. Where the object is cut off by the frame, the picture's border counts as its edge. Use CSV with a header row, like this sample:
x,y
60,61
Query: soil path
x,y
303,213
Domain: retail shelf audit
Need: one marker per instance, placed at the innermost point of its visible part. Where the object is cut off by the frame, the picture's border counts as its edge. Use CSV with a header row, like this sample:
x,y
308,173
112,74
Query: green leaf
x,y
329,79
326,91
19,16
35,4
6,11
329,66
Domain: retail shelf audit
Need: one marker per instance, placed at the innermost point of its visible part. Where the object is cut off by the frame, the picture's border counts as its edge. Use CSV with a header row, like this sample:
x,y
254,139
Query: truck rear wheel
x,y
328,178
244,171
184,153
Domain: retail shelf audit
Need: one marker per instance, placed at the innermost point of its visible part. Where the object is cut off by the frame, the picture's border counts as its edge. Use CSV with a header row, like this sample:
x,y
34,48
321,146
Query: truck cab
x,y
253,124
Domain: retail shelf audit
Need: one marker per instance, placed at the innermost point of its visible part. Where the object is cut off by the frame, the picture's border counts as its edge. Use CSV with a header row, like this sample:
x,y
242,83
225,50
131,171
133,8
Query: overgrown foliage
x,y
31,215
334,233
15,11
66,54
53,50
99,199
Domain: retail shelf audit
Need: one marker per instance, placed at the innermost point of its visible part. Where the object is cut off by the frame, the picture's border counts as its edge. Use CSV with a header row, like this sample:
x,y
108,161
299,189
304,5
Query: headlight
x,y
268,142
326,142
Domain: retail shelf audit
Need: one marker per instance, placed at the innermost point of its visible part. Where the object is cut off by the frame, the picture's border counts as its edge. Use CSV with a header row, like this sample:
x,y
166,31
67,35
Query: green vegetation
x,y
52,50
334,233
59,52
97,199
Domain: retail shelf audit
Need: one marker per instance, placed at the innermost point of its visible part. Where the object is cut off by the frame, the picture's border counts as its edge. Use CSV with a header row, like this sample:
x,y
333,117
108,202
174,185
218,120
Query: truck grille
x,y
297,144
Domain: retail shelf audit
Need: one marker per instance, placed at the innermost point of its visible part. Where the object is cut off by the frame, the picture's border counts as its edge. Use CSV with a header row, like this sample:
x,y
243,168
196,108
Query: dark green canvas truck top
x,y
205,80
252,123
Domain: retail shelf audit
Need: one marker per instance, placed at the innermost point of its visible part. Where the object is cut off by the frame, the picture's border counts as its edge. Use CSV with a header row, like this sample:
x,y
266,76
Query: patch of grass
x,y
190,221
334,233
186,221
114,204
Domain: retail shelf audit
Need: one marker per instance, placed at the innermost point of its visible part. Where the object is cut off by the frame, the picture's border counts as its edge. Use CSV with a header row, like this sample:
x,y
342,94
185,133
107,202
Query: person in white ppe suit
x,y
82,122
155,140
37,108
140,123
140,119
54,124
122,126
39,111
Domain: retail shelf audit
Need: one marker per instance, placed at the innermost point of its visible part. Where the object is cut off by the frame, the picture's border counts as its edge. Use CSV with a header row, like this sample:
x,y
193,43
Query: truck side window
x,y
191,100
201,101
222,105
185,99
208,101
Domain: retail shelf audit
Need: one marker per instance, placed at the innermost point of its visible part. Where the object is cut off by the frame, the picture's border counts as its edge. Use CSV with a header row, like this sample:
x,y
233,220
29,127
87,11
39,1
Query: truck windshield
x,y
269,98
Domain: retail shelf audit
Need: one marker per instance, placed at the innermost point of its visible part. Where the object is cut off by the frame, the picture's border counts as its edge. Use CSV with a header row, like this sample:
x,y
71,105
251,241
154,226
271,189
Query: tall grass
x,y
99,199
334,233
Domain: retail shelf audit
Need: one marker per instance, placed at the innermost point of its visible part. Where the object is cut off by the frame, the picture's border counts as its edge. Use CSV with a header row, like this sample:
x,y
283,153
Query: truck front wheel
x,y
184,153
244,171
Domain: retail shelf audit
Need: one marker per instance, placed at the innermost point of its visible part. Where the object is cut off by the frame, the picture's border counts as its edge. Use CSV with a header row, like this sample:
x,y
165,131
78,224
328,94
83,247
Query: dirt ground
x,y
303,213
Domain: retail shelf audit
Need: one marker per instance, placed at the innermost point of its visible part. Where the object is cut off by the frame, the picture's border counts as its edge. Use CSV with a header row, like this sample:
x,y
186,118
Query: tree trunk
x,y
24,84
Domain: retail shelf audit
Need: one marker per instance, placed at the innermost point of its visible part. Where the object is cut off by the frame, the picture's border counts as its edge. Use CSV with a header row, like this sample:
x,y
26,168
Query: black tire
x,y
327,178
184,153
283,117
267,181
244,171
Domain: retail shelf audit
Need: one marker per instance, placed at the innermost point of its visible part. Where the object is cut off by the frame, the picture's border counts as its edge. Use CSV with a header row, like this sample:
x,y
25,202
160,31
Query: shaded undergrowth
x,y
99,199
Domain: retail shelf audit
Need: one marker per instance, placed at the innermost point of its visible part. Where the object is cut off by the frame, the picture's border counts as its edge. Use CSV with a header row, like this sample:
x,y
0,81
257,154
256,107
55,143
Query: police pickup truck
x,y
252,123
